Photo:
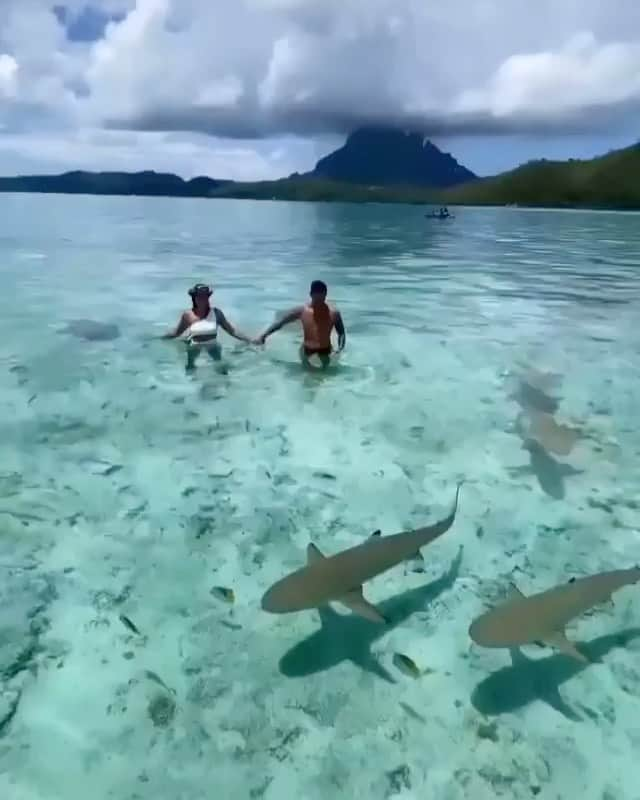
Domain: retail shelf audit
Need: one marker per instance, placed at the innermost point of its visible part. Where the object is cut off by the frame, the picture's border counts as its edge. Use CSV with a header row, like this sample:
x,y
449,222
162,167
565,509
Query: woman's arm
x,y
181,327
224,323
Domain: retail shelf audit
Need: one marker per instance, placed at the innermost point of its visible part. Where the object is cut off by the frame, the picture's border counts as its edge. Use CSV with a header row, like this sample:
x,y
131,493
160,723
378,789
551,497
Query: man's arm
x,y
342,334
181,327
285,319
224,323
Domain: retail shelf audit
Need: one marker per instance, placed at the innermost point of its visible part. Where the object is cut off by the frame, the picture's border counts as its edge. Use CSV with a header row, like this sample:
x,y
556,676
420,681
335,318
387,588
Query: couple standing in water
x,y
200,324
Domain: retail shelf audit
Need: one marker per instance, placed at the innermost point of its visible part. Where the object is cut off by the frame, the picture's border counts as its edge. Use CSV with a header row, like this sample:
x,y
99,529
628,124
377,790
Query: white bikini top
x,y
202,328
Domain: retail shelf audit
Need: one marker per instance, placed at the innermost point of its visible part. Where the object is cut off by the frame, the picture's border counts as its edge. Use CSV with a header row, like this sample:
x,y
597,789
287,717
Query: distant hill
x,y
385,157
146,183
609,181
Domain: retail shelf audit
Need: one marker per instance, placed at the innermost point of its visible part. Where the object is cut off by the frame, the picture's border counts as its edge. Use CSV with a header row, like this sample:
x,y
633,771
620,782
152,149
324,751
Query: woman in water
x,y
200,323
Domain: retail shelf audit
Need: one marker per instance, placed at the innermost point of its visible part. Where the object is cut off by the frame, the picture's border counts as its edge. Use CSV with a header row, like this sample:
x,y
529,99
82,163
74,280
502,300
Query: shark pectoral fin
x,y
355,601
313,554
609,602
559,640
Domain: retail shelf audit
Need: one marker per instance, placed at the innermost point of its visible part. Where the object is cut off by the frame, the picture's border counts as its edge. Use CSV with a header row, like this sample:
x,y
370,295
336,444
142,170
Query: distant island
x,y
384,166
383,157
146,184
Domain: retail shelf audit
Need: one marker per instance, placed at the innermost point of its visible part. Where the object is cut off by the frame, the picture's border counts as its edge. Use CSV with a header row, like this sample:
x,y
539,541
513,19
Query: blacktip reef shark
x,y
542,618
543,428
339,578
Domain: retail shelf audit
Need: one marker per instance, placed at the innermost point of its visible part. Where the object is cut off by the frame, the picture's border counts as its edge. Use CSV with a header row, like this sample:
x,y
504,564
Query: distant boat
x,y
439,216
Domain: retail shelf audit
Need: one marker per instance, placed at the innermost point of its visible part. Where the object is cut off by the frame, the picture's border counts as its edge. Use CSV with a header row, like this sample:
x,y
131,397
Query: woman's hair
x,y
199,288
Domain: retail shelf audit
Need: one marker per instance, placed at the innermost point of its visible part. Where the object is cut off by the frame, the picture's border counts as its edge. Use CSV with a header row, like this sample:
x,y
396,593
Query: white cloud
x,y
260,68
184,154
582,76
8,76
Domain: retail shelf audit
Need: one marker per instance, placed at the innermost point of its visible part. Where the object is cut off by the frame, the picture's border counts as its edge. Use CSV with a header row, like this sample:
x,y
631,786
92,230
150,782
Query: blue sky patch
x,y
86,26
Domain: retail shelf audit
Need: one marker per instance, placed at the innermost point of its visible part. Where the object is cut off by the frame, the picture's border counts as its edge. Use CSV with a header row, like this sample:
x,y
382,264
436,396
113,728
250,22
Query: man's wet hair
x,y
318,287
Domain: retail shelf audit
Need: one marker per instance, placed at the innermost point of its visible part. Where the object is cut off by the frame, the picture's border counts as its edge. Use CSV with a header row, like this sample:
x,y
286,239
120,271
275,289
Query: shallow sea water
x,y
131,487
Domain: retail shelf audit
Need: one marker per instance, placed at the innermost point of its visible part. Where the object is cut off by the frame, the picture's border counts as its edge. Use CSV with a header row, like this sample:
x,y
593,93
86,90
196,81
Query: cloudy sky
x,y
251,89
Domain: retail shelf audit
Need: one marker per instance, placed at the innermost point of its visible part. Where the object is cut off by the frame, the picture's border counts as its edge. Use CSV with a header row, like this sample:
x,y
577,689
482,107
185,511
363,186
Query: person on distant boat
x,y
199,326
318,321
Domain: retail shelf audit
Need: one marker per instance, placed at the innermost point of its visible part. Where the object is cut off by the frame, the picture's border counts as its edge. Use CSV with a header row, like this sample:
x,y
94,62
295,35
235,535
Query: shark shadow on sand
x,y
92,331
549,472
347,637
527,680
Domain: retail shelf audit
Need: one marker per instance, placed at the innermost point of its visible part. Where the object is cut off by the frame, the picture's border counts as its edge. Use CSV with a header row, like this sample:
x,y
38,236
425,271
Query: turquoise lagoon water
x,y
131,487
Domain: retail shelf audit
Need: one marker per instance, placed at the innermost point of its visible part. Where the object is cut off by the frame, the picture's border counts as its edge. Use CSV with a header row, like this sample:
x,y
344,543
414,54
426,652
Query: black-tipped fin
x,y
514,593
313,554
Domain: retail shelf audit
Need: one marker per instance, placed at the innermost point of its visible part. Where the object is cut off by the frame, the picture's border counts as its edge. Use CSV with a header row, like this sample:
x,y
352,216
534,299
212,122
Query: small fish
x,y
408,666
157,679
327,476
222,593
128,624
412,712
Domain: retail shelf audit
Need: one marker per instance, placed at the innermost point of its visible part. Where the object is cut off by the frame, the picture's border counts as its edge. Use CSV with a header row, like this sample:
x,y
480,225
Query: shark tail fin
x,y
443,526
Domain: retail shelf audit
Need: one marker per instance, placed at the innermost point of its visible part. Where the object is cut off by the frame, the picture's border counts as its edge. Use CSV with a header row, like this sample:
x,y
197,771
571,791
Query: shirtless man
x,y
202,322
318,320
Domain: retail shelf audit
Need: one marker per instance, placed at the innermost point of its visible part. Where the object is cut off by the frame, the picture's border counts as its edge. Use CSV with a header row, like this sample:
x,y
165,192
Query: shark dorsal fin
x,y
514,593
313,554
